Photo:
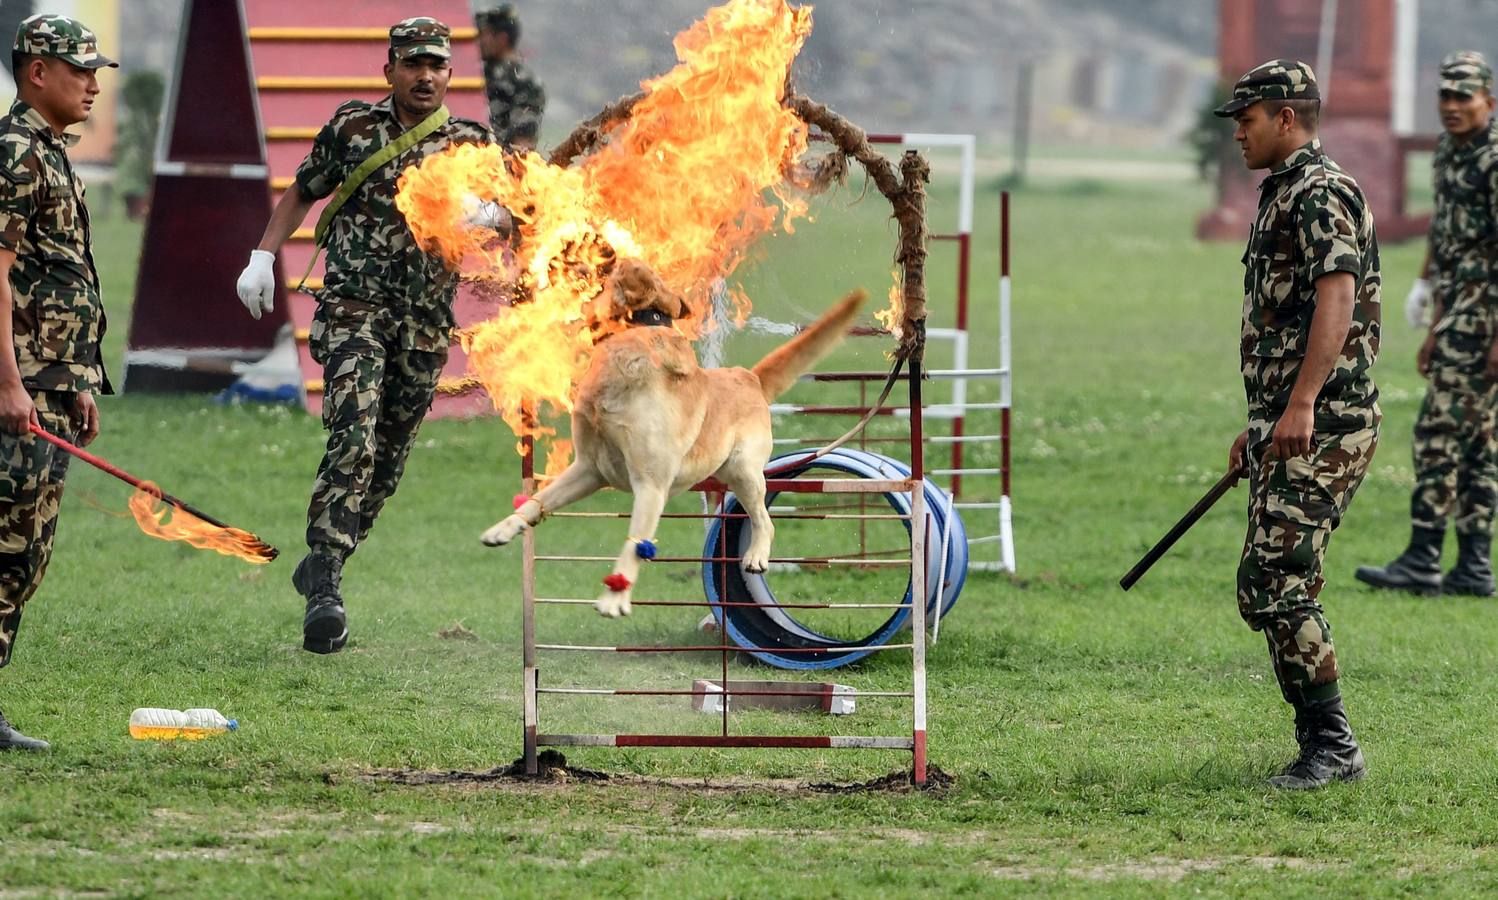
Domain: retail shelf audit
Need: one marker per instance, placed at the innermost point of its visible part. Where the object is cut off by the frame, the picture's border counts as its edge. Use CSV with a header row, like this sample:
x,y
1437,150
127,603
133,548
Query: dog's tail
x,y
778,371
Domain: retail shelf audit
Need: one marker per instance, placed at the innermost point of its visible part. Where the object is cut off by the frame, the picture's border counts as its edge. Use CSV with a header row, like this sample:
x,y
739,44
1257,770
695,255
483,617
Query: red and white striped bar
x,y
796,560
733,648
817,486
789,515
805,742
880,376
714,604
718,692
935,411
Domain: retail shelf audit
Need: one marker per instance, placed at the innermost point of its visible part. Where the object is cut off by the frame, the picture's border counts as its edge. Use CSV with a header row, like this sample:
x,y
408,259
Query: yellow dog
x,y
650,421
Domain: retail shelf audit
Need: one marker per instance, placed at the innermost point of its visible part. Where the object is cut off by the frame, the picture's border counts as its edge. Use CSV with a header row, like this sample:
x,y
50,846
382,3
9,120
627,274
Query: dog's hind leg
x,y
578,481
747,481
645,517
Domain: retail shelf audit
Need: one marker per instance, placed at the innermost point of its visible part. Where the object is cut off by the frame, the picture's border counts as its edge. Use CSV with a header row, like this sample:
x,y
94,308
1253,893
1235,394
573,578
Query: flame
x,y
686,185
558,458
893,317
151,514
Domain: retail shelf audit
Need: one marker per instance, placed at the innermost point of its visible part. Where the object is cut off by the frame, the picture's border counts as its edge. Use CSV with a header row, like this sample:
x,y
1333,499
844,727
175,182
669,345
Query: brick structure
x,y
1357,114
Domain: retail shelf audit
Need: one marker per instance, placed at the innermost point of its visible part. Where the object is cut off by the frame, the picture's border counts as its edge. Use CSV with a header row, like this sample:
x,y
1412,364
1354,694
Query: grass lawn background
x,y
1104,743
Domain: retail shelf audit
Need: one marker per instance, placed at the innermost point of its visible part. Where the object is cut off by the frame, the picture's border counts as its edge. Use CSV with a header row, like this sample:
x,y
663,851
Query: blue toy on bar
x,y
763,623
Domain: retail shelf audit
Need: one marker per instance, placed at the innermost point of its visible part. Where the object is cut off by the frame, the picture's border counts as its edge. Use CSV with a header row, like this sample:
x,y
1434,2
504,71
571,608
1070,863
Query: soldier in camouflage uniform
x,y
383,315
516,99
1454,447
1310,334
56,317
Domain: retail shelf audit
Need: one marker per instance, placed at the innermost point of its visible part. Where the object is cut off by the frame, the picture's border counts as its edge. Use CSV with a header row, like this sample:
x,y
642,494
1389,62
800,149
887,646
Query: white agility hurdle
x,y
721,557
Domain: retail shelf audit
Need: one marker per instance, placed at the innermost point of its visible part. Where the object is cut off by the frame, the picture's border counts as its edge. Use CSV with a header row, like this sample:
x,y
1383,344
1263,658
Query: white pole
x,y
1406,59
1324,46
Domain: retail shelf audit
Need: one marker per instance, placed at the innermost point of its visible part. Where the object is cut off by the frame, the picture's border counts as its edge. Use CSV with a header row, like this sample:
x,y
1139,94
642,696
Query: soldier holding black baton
x,y
1309,337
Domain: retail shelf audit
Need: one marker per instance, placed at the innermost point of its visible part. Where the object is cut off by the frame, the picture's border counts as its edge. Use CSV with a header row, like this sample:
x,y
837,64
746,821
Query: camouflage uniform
x,y
57,319
516,102
1454,434
1312,221
383,315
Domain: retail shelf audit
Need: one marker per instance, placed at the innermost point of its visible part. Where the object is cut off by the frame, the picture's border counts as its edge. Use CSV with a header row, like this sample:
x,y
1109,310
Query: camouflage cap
x,y
421,36
61,38
1466,72
1278,79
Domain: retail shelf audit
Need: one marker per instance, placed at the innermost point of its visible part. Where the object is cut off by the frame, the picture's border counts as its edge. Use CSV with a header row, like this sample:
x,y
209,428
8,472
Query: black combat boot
x,y
324,627
11,739
1417,569
1473,574
1328,751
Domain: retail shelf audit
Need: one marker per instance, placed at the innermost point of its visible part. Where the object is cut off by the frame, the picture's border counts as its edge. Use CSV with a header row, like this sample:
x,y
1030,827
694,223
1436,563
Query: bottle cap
x,y
233,724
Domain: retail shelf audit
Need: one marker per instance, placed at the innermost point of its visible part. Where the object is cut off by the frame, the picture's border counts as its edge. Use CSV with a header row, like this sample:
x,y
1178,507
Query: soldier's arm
x,y
17,411
317,177
291,210
1491,370
1335,298
1331,260
17,204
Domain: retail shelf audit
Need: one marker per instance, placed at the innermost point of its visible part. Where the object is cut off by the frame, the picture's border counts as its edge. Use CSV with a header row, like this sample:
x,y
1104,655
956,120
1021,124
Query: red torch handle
x,y
106,466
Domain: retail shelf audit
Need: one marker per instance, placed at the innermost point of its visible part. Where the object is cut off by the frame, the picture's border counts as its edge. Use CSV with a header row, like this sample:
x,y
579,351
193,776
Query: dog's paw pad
x,y
612,606
503,533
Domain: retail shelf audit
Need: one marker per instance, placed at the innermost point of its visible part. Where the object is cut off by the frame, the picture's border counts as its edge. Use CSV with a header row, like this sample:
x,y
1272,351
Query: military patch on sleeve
x,y
18,163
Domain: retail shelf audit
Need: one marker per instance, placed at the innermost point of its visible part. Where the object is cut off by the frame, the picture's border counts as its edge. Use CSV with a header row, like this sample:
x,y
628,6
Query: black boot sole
x,y
324,634
32,745
1467,590
1342,778
1383,583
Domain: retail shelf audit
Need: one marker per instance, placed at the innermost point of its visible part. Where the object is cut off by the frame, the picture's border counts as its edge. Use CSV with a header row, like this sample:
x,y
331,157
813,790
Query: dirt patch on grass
x,y
1155,868
553,769
898,781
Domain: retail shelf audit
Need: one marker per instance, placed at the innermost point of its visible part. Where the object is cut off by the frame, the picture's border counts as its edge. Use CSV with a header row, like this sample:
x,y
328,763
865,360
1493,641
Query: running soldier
x,y
56,317
516,99
1309,336
1455,465
384,312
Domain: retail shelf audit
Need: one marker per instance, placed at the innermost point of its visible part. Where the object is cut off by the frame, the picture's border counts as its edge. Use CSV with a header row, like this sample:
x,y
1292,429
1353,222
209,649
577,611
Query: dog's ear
x,y
683,309
618,299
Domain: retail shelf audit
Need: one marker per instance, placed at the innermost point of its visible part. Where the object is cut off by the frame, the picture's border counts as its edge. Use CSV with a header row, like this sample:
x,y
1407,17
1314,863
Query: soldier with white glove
x,y
1456,433
1416,303
257,283
384,313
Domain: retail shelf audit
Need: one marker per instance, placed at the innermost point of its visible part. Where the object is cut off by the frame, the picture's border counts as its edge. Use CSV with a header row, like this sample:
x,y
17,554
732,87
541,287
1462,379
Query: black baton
x,y
1180,528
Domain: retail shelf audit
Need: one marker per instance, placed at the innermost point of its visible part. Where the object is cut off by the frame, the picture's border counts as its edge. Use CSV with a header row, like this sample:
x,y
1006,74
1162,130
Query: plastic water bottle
x,y
149,724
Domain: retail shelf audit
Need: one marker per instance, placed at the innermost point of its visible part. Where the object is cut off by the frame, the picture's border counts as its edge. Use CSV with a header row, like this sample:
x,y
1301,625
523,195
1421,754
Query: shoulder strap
x,y
373,162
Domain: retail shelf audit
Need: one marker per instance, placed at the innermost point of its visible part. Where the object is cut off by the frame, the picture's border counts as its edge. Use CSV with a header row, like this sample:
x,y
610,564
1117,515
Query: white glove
x,y
1416,302
484,213
257,283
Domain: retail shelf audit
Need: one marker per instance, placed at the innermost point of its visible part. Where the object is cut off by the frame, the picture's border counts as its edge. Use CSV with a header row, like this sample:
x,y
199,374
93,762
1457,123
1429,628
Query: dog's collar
x,y
650,317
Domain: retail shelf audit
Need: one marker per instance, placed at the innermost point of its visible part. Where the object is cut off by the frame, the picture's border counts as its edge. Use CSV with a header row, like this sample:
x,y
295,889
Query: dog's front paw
x,y
613,604
756,561
503,532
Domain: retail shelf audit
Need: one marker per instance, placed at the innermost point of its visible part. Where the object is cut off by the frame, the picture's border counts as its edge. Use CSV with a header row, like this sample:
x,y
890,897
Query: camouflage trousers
x,y
31,477
375,394
1456,462
1293,508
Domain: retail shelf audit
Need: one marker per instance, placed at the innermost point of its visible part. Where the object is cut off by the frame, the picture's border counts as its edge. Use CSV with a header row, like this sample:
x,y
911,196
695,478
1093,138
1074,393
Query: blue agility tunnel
x,y
765,624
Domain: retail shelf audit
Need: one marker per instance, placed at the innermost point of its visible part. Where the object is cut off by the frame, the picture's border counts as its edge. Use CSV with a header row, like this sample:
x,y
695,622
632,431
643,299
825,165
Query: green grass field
x,y
1103,743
